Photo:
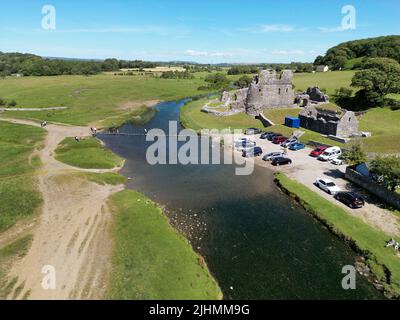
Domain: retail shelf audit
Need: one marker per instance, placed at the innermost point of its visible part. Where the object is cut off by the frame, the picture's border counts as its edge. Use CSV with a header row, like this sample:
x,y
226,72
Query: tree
x,y
355,155
217,81
343,97
380,78
243,82
110,65
12,104
388,167
2,102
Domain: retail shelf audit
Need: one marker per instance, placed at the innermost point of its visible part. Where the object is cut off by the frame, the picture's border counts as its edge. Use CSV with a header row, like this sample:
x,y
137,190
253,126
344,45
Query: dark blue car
x,y
297,146
255,152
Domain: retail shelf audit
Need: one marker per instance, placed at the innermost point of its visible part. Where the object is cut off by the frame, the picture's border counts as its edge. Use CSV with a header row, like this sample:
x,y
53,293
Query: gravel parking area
x,y
307,170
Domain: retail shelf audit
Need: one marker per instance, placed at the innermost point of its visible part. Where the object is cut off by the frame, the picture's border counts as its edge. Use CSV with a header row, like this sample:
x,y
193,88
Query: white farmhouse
x,y
322,68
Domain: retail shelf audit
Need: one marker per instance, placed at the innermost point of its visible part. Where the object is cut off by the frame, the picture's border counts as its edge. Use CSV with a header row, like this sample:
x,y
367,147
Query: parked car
x,y
279,161
272,155
251,131
330,154
241,140
288,142
265,135
279,139
246,145
271,136
318,151
327,185
351,199
255,152
338,161
297,146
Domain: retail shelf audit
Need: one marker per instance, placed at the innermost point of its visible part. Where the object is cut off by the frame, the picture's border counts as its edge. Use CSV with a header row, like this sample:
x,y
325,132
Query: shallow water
x,y
257,243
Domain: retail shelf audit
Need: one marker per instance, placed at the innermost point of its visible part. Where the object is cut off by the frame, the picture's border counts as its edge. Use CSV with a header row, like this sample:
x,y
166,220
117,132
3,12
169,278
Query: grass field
x,y
324,80
88,153
150,259
18,194
385,127
90,99
366,238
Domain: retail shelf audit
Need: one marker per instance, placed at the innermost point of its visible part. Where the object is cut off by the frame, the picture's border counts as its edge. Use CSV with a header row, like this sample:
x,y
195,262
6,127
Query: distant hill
x,y
344,55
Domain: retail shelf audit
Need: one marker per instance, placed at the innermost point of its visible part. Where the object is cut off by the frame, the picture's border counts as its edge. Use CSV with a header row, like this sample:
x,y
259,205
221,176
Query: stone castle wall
x,y
270,90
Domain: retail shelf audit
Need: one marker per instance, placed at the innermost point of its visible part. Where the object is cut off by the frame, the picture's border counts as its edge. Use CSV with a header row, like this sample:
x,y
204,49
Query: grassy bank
x,y
91,99
192,117
88,153
368,241
385,128
18,195
150,259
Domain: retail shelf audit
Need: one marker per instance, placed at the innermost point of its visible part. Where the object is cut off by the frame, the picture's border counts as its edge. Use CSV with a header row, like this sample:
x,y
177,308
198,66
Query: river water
x,y
257,243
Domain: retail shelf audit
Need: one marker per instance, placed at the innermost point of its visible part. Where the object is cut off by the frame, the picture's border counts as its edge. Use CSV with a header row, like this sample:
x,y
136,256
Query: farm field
x,y
94,98
330,81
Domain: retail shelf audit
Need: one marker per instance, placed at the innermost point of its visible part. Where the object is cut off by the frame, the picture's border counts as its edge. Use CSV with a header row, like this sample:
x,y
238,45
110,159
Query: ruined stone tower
x,y
270,90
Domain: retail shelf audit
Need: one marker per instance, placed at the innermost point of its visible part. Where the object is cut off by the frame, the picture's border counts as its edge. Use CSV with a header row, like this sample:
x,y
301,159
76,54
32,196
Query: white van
x,y
330,154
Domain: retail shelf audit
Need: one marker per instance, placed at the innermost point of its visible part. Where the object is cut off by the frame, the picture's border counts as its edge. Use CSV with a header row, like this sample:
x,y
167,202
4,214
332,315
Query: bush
x,y
12,104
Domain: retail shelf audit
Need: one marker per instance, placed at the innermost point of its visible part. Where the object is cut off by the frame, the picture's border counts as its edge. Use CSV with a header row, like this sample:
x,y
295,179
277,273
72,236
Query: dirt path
x,y
72,233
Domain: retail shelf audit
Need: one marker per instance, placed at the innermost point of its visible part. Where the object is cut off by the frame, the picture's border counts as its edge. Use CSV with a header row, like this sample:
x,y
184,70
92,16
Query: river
x,y
257,243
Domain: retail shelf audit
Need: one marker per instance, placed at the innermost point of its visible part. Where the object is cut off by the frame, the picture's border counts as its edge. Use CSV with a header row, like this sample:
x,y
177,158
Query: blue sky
x,y
209,31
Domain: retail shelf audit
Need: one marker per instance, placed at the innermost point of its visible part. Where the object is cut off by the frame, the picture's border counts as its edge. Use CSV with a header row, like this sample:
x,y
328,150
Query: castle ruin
x,y
343,123
268,90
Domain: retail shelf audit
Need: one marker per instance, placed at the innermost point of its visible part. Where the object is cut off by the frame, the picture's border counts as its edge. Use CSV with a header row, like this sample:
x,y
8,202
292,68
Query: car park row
x,y
277,158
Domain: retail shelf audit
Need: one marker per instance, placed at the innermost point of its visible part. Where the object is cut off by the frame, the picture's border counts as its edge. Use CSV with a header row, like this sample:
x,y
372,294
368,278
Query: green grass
x,y
150,259
370,241
192,117
385,127
325,80
109,178
352,62
18,195
91,99
88,153
394,96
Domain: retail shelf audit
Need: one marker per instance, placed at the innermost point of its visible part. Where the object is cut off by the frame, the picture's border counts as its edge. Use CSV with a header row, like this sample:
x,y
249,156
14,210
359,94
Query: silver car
x,y
272,155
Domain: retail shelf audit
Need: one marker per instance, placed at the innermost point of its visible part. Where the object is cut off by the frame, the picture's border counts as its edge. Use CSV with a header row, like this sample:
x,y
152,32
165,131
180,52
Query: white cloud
x,y
287,52
269,28
265,28
195,53
329,30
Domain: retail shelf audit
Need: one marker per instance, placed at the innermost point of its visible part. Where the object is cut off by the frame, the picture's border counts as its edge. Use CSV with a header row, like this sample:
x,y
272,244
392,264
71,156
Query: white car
x,y
330,154
246,146
338,161
241,140
327,185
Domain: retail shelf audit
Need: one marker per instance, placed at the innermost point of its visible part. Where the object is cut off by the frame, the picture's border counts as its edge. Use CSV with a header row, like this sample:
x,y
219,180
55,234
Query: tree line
x,y
32,65
338,56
